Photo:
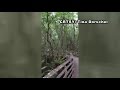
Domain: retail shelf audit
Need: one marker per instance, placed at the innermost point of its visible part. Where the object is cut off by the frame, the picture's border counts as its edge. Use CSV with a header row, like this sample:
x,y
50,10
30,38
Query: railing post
x,y
65,72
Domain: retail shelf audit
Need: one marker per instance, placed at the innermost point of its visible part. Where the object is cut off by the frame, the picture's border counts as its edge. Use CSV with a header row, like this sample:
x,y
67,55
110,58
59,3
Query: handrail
x,y
64,70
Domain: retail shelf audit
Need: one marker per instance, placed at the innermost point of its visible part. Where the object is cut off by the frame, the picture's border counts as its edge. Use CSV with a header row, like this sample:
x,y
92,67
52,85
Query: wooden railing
x,y
65,70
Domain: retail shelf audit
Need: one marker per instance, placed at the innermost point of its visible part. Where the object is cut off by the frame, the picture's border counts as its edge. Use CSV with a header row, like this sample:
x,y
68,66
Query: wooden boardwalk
x,y
69,69
76,67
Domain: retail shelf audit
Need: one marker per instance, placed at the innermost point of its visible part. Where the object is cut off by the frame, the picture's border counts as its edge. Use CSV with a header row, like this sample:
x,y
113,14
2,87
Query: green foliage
x,y
58,38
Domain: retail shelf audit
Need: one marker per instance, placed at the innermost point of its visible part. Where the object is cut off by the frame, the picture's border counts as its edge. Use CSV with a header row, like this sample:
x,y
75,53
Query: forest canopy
x,y
58,39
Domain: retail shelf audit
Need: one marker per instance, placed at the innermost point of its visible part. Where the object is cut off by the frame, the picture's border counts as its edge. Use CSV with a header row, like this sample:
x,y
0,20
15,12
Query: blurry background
x,y
20,42
100,45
